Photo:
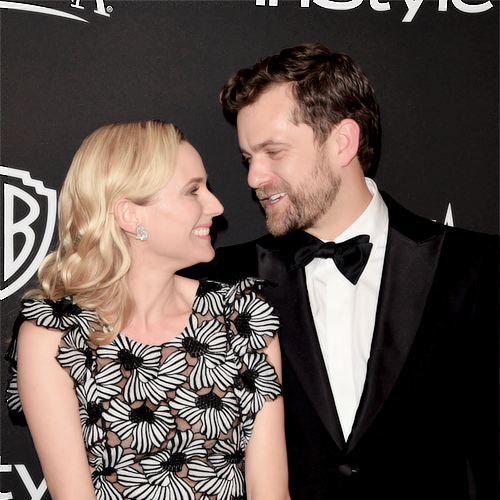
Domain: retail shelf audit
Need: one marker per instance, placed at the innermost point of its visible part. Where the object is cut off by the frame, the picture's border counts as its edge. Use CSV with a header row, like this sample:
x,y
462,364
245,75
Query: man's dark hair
x,y
328,87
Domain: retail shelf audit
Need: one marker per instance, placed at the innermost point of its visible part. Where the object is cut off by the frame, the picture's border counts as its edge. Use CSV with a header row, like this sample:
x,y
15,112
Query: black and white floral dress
x,y
170,421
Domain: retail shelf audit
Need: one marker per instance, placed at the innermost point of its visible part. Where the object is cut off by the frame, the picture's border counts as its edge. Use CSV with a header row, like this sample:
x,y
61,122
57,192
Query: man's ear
x,y
125,213
347,140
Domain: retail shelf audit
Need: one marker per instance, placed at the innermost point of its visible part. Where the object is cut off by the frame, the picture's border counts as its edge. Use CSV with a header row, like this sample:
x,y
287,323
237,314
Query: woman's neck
x,y
163,303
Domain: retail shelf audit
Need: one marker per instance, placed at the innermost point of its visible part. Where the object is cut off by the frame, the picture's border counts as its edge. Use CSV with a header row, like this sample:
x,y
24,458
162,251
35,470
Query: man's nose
x,y
258,173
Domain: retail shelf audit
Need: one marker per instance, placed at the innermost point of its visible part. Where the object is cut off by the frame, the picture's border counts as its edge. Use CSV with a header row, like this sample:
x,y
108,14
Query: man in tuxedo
x,y
390,321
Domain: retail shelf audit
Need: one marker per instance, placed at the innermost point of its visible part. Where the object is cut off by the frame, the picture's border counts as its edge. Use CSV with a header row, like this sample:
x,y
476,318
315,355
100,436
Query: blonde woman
x,y
137,383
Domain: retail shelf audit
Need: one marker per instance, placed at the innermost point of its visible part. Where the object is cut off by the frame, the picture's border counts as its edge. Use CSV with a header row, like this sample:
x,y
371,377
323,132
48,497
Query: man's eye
x,y
246,160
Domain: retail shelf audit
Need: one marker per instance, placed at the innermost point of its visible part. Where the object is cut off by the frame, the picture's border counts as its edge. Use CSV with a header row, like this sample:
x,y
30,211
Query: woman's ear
x,y
348,140
125,214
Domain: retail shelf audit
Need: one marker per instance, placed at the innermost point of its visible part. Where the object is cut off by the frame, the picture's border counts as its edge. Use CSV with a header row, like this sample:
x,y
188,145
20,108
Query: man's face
x,y
292,176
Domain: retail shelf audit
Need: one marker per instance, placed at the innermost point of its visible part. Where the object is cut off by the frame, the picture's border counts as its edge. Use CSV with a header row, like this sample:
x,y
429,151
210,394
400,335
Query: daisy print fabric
x,y
170,421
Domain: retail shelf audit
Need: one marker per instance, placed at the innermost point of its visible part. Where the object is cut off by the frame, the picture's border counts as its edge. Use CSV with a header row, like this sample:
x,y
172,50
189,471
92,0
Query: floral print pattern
x,y
168,421
216,364
254,321
216,414
147,427
109,460
257,381
161,475
226,480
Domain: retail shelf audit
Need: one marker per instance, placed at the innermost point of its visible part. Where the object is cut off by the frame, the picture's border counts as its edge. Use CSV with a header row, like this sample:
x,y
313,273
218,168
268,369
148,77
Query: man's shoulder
x,y
266,242
420,229
233,262
237,261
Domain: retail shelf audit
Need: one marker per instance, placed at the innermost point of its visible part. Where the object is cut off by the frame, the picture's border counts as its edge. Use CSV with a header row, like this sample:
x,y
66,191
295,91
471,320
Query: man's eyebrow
x,y
264,144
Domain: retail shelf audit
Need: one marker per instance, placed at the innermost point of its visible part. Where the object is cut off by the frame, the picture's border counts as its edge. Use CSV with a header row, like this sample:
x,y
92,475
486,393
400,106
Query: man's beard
x,y
307,203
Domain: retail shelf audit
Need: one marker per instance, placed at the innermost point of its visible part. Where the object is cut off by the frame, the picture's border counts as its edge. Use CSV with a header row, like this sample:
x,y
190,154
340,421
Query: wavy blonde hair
x,y
120,160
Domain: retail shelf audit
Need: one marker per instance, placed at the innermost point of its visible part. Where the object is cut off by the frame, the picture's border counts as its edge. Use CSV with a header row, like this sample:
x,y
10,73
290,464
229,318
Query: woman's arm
x,y
51,409
266,468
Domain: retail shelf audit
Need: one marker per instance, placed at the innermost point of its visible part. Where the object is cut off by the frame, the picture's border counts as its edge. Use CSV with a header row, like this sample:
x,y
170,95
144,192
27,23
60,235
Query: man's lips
x,y
272,199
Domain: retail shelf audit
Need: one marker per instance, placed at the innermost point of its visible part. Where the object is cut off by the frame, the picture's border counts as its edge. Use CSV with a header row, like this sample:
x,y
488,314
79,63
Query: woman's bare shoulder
x,y
36,339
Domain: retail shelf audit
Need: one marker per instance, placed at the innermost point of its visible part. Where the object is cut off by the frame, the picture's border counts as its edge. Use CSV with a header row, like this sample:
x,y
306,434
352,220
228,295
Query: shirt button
x,y
347,470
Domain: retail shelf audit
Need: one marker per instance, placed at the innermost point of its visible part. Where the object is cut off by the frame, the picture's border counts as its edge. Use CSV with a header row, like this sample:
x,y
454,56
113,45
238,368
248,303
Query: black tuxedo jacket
x,y
429,409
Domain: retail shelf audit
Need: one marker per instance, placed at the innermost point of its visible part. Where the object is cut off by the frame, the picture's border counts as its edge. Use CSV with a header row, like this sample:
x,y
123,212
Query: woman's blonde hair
x,y
120,160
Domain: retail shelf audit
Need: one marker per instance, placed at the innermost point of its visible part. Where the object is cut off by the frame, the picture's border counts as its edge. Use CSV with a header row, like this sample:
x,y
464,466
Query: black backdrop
x,y
436,75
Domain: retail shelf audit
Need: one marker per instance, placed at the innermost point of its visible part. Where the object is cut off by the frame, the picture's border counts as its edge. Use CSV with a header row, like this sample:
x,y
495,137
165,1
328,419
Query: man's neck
x,y
345,210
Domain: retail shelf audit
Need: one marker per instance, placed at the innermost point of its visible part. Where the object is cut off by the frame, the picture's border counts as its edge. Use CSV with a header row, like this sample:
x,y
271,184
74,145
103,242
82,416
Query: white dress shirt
x,y
344,314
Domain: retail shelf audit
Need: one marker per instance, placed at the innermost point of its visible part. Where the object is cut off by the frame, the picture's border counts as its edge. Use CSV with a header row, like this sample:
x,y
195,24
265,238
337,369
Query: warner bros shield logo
x,y
29,219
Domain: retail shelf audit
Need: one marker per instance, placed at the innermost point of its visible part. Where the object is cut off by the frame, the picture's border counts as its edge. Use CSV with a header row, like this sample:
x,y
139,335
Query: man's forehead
x,y
274,109
254,137
273,97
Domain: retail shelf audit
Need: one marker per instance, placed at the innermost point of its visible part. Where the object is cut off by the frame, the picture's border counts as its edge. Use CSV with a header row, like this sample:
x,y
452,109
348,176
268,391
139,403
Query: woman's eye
x,y
194,191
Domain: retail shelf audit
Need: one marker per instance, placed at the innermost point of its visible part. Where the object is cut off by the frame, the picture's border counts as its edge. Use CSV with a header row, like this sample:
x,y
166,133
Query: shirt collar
x,y
373,221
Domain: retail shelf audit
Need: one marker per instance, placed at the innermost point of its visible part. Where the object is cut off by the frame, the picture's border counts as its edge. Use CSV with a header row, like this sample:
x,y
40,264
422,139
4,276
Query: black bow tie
x,y
350,256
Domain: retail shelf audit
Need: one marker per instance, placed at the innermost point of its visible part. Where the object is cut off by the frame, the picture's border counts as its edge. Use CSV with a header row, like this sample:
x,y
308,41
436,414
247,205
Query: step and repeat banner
x,y
70,66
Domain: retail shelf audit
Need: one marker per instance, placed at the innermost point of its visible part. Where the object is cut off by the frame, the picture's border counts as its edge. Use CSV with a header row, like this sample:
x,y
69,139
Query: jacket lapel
x,y
299,342
409,268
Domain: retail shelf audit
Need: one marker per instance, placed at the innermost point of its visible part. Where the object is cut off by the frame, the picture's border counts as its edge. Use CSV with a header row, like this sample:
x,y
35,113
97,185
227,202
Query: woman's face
x,y
179,218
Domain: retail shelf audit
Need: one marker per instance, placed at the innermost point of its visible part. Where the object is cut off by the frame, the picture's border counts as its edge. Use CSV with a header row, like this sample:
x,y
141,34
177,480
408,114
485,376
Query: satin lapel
x,y
409,270
299,342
